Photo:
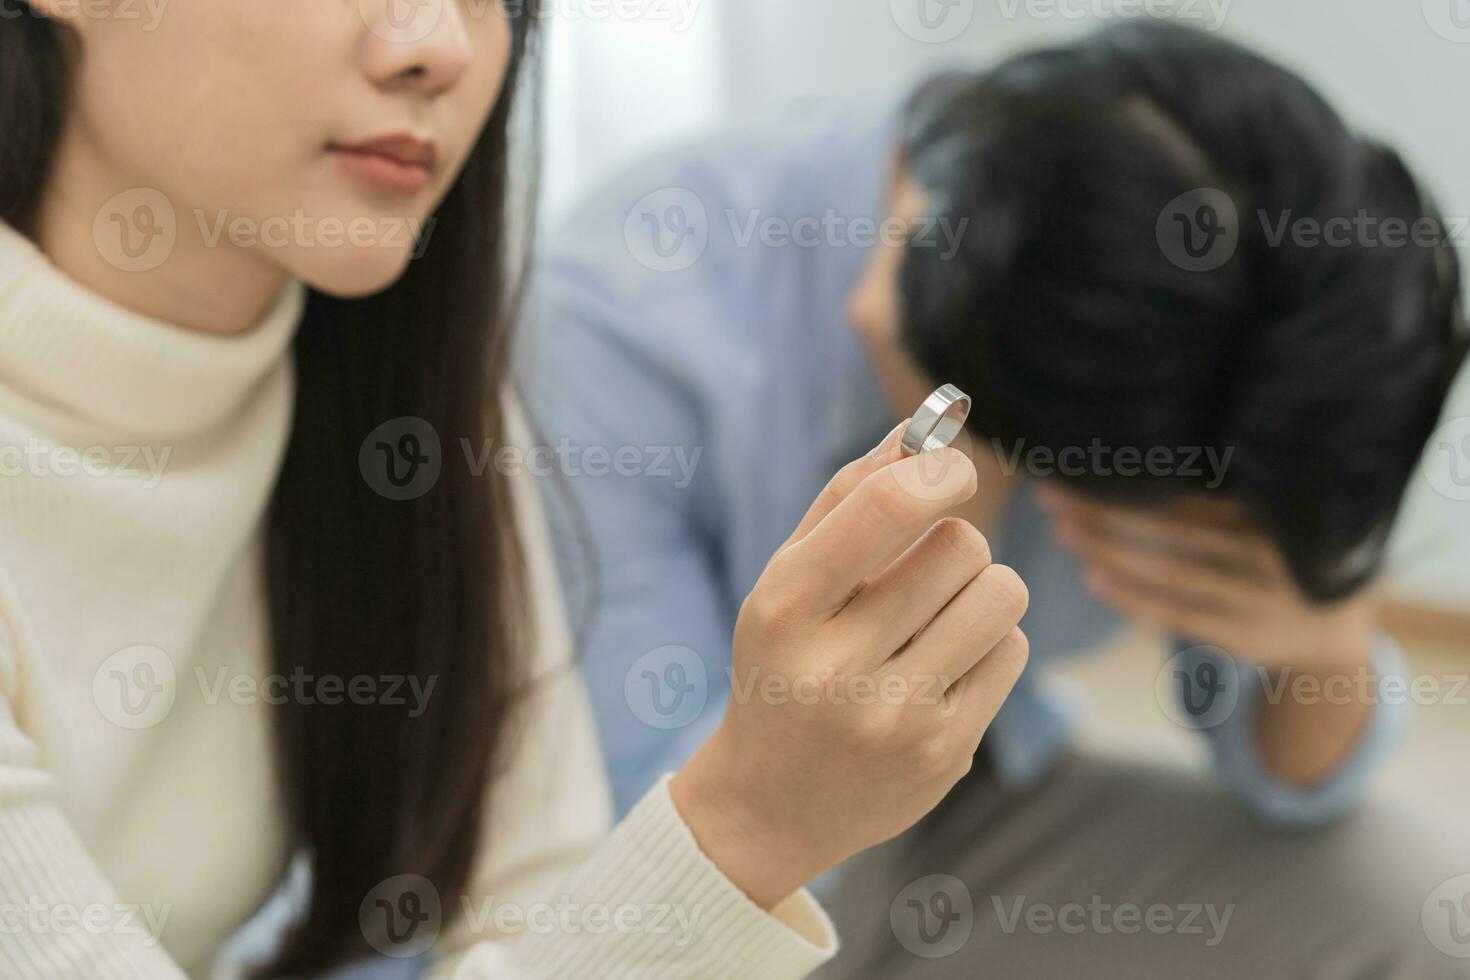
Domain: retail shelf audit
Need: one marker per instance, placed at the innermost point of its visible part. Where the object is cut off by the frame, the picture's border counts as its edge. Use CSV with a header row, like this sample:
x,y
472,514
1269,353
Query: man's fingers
x,y
1190,581
846,480
885,513
1200,625
1228,548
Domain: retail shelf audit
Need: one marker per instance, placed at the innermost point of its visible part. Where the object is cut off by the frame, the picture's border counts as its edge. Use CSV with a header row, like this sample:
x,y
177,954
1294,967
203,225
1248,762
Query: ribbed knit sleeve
x,y
59,916
649,904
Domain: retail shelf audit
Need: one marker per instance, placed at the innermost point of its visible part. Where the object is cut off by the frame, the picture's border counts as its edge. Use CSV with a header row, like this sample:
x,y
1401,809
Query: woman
x,y
207,262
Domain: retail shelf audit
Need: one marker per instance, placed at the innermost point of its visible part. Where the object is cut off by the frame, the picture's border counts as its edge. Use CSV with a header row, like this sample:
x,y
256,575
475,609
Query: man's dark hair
x,y
1073,317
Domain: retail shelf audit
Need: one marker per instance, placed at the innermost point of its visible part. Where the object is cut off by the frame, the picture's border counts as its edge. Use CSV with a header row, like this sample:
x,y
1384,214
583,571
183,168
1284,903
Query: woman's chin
x,y
354,273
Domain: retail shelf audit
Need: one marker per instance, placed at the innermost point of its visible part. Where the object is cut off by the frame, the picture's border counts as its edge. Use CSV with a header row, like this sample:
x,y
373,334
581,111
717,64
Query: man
x,y
1215,426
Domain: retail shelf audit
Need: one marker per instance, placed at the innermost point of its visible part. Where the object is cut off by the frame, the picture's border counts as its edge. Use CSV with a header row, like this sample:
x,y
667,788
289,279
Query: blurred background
x,y
624,75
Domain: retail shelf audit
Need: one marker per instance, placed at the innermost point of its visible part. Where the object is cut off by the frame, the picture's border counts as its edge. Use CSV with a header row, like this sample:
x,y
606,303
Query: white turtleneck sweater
x,y
140,821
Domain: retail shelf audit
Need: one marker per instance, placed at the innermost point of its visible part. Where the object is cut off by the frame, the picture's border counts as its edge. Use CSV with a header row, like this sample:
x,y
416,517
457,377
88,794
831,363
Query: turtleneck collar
x,y
74,349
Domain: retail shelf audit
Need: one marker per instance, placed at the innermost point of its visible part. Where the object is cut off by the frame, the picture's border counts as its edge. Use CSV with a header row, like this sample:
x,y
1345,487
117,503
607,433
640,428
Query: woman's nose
x,y
416,44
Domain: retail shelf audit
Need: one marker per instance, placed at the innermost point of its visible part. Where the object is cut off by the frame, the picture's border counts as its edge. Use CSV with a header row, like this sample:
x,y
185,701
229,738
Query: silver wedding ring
x,y
937,421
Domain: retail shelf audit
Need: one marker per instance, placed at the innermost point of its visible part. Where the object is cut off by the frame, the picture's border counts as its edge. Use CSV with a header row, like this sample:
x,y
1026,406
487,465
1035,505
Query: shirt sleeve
x,y
639,566
1237,754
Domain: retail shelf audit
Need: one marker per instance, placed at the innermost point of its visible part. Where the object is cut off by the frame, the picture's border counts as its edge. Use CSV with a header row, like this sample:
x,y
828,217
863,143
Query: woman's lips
x,y
399,163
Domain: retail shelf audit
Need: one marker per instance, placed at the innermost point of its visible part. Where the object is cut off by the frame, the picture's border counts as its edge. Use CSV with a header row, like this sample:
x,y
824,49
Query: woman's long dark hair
x,y
1322,369
360,584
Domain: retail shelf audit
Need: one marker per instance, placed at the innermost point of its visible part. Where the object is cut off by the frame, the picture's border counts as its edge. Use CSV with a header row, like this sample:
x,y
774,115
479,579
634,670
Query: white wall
x,y
615,85
1399,69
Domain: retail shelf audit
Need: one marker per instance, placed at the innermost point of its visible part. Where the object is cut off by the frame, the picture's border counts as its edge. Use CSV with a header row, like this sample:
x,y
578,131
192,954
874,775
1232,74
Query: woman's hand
x,y
868,661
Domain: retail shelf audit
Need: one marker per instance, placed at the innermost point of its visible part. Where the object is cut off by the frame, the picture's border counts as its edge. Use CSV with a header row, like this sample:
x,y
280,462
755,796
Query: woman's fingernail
x,y
890,440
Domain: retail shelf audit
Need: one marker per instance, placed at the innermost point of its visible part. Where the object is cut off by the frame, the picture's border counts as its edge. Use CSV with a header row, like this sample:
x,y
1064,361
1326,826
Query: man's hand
x,y
1204,573
1201,571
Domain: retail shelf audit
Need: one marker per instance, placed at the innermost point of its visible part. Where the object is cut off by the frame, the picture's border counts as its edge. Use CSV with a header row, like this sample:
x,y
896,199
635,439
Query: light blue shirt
x,y
699,389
